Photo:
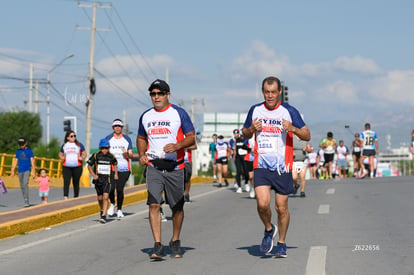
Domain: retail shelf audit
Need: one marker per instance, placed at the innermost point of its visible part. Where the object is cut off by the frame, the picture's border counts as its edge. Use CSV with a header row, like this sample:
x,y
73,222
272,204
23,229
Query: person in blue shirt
x,y
25,159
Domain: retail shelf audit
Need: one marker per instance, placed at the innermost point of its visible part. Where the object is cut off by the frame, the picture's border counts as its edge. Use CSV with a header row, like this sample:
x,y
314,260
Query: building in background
x,y
215,123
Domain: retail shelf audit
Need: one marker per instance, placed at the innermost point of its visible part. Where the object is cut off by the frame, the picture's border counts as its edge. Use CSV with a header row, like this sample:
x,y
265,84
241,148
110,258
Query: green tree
x,y
14,125
50,150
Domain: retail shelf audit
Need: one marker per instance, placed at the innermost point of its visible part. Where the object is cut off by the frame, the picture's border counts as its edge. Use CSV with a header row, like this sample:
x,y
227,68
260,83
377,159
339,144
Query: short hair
x,y
367,126
270,80
42,169
329,134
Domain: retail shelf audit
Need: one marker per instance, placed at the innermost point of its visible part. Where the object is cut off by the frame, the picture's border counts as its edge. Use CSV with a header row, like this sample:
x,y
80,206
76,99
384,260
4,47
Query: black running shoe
x,y
187,197
158,251
102,219
302,194
175,247
226,182
295,187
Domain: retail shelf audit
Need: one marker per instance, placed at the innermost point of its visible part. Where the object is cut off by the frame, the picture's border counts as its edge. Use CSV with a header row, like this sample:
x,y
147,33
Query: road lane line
x,y
330,191
323,209
316,261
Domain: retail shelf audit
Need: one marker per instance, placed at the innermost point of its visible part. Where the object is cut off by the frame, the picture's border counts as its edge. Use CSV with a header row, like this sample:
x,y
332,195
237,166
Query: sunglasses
x,y
72,136
162,93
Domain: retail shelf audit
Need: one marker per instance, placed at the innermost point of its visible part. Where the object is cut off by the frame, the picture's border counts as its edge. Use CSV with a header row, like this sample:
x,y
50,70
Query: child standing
x,y
43,181
100,166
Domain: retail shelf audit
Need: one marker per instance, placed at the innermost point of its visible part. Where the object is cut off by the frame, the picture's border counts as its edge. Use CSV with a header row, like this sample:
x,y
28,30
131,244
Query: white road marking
x,y
316,261
323,209
330,191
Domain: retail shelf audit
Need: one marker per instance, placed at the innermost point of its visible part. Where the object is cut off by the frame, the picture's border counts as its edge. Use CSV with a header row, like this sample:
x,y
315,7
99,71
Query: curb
x,y
41,221
37,222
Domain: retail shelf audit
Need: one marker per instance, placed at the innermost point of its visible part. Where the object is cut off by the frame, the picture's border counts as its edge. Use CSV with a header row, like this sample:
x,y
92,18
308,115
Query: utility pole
x,y
30,87
92,88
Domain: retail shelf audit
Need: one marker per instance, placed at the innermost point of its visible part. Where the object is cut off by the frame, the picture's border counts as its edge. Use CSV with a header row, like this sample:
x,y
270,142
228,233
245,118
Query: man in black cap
x,y
25,158
164,131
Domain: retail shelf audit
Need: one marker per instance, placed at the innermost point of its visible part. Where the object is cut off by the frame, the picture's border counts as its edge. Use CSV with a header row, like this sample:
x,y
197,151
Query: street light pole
x,y
48,96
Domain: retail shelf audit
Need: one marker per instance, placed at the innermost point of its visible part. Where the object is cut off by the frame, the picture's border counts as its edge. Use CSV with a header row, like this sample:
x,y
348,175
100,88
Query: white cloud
x,y
340,92
259,59
394,87
356,64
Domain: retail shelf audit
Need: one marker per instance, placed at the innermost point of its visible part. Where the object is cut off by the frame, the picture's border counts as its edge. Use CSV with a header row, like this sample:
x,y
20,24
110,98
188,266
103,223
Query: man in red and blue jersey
x,y
164,131
273,123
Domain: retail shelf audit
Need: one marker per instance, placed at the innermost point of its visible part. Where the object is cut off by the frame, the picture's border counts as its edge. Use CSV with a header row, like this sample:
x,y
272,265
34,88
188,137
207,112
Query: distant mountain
x,y
393,129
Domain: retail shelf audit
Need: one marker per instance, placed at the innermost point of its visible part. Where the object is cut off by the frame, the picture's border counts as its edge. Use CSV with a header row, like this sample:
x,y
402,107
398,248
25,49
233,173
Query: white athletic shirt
x,y
341,150
117,146
312,157
72,153
368,139
221,149
163,127
274,145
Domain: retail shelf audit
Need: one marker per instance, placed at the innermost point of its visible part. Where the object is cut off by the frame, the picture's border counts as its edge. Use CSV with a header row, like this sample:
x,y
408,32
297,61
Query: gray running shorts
x,y
172,183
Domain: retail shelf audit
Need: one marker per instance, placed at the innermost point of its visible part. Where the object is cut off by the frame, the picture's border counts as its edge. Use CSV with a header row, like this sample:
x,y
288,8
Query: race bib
x,y
267,145
242,151
104,169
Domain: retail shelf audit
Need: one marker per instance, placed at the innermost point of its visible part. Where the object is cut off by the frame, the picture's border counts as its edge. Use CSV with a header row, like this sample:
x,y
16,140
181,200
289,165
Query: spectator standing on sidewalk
x,y
24,158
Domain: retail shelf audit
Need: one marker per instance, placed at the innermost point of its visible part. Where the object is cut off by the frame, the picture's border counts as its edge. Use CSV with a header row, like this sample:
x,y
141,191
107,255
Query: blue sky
x,y
342,60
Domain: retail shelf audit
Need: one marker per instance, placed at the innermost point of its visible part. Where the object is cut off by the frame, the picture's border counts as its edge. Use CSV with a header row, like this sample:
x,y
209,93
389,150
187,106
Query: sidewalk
x,y
15,220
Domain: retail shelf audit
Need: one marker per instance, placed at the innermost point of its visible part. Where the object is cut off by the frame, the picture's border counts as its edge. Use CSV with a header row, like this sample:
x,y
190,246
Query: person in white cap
x,y
121,148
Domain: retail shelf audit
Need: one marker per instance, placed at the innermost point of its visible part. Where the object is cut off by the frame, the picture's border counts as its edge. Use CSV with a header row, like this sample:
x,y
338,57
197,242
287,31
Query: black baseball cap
x,y
159,84
21,141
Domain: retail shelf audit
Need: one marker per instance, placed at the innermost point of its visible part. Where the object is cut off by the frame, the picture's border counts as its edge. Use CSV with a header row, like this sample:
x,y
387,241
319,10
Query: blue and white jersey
x,y
162,127
118,145
368,139
274,145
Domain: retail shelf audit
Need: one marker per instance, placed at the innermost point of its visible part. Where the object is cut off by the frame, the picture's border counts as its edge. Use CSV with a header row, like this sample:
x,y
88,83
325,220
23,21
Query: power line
x,y
121,90
134,43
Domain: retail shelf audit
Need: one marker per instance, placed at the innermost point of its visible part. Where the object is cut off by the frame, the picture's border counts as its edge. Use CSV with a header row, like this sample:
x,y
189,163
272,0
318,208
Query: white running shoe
x,y
119,214
247,187
239,190
111,209
163,218
252,194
